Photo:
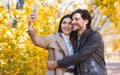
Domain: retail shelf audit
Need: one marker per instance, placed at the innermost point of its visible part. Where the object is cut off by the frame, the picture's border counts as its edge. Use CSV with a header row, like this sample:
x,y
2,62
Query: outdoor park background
x,y
18,56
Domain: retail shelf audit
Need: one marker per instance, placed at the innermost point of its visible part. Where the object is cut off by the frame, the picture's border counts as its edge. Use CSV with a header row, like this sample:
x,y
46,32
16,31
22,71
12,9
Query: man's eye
x,y
76,18
70,23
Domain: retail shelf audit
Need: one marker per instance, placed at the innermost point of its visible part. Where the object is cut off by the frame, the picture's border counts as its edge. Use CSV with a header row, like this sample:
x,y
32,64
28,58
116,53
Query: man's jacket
x,y
88,56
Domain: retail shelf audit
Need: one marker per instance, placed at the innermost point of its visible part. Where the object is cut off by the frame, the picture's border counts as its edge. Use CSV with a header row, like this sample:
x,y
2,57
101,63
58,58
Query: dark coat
x,y
89,55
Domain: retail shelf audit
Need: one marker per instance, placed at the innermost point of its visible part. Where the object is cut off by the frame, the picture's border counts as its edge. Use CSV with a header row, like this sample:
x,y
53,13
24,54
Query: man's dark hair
x,y
85,15
66,16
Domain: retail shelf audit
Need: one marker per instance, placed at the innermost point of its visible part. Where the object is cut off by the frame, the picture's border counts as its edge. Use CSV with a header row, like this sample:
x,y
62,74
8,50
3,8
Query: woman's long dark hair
x,y
66,16
73,37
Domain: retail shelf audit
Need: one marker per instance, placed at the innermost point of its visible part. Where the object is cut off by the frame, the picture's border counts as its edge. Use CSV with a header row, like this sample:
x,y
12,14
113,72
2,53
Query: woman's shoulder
x,y
53,36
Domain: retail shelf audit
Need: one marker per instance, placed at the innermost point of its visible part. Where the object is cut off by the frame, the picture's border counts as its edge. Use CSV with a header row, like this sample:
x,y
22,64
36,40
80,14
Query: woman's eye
x,y
64,22
70,23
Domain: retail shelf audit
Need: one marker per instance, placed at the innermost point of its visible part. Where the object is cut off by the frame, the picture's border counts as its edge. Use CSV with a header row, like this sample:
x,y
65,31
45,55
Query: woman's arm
x,y
38,40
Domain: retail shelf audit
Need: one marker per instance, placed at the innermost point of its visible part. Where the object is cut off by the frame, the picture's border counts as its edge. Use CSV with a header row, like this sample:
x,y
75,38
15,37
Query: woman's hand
x,y
52,65
32,18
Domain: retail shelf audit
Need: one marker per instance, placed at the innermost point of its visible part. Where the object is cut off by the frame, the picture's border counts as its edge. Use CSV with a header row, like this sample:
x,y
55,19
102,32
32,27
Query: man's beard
x,y
78,29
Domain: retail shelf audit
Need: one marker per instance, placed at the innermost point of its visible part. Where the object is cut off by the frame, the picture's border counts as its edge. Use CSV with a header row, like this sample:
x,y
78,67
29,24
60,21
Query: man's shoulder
x,y
95,34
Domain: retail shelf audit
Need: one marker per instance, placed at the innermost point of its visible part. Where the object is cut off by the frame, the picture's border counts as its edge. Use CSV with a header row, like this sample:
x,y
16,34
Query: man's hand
x,y
52,65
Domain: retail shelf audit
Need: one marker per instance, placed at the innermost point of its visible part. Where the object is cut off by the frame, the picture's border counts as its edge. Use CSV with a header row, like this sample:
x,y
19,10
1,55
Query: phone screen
x,y
35,8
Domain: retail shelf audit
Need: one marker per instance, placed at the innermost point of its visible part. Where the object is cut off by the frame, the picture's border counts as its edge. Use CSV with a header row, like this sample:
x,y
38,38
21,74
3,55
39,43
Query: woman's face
x,y
66,26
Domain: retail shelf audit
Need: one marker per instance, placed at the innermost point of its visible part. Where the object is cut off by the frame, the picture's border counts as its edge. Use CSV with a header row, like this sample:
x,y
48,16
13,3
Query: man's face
x,y
78,22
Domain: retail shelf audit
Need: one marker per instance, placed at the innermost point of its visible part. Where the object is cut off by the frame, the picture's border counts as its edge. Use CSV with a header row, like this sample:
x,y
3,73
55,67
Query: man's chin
x,y
75,29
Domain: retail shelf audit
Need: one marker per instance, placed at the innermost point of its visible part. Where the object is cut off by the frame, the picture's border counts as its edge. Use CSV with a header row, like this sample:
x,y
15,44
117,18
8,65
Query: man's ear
x,y
86,21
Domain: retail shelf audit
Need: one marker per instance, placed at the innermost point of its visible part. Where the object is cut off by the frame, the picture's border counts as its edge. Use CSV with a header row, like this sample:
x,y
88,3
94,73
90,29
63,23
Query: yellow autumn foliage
x,y
111,9
18,56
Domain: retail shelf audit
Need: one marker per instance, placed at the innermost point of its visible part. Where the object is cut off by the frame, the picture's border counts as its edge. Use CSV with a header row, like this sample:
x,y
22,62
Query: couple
x,y
75,49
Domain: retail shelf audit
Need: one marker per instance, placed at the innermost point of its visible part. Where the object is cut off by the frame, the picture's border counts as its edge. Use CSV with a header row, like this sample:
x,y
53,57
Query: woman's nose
x,y
66,24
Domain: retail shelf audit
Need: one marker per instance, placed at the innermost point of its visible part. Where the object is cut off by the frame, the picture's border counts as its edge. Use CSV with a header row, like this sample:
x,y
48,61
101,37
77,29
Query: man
x,y
88,46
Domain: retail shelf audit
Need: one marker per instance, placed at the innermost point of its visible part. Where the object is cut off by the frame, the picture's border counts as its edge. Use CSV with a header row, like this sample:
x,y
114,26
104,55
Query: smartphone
x,y
34,8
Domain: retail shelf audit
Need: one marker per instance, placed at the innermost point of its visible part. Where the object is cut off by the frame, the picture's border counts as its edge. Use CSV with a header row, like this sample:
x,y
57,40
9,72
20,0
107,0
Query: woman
x,y
57,44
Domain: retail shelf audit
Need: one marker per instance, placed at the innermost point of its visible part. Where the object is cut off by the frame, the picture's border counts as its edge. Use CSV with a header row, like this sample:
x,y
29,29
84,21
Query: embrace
x,y
75,49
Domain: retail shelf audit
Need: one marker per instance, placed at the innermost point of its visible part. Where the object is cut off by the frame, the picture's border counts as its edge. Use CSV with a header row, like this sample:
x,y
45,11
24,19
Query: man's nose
x,y
73,21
